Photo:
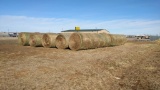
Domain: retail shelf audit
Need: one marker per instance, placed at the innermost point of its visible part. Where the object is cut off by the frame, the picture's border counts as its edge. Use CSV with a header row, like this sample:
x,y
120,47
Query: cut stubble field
x,y
132,66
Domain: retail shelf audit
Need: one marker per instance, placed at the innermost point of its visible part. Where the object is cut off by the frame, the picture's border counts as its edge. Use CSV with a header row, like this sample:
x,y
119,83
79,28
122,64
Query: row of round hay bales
x,y
37,39
74,41
80,41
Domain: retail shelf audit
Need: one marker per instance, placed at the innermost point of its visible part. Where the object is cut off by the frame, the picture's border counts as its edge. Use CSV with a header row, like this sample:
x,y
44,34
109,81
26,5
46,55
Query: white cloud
x,y
122,26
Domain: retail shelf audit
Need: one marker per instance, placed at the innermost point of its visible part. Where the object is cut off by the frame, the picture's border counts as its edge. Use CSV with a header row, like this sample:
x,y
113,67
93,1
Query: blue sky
x,y
117,16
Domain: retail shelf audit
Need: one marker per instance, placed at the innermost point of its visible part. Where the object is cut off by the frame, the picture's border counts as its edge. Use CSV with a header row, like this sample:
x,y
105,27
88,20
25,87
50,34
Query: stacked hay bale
x,y
35,40
62,40
23,38
49,40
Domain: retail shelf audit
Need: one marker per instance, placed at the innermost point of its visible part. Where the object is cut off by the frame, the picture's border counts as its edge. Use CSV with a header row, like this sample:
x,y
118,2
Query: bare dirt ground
x,y
133,66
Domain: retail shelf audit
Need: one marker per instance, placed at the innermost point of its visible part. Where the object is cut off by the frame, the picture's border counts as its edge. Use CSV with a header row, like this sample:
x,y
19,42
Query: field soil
x,y
133,66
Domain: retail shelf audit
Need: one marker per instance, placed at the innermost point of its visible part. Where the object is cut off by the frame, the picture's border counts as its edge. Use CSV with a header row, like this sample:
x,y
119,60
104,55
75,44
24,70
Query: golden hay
x,y
101,40
23,38
36,40
107,39
157,41
95,40
62,40
79,41
117,39
49,40
86,41
19,38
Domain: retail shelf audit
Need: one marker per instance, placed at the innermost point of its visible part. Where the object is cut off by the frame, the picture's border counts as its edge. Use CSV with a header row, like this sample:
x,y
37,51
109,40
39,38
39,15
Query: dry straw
x,y
107,39
36,40
62,40
158,41
23,38
117,39
95,40
79,41
49,40
103,40
19,38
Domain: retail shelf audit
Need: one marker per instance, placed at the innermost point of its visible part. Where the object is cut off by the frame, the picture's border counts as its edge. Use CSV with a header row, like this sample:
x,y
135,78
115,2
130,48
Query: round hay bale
x,y
79,41
102,40
36,40
117,39
19,38
49,40
23,38
86,41
95,40
107,39
122,39
62,40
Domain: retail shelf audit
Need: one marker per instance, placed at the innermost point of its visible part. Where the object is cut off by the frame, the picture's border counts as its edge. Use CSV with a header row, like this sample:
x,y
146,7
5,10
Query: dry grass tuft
x,y
158,41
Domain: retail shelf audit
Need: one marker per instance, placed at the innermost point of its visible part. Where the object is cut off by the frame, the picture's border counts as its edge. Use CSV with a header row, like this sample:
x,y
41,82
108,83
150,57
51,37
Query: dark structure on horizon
x,y
86,31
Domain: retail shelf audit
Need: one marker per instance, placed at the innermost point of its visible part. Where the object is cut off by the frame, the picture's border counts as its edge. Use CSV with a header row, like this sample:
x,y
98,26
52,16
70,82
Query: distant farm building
x,y
87,31
4,34
8,34
138,38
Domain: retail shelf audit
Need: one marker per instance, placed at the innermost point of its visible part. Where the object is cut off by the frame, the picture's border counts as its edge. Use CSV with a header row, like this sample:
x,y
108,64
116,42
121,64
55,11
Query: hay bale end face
x,y
23,38
49,40
62,40
79,41
36,40
75,41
